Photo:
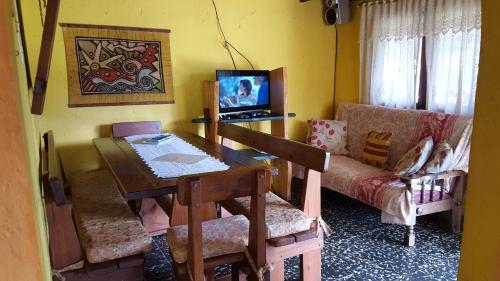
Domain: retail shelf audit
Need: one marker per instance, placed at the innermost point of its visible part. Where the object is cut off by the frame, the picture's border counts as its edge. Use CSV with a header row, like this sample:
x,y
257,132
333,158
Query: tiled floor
x,y
361,247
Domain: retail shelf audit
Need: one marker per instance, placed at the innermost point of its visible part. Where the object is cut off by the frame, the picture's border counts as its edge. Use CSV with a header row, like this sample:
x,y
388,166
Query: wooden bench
x,y
111,237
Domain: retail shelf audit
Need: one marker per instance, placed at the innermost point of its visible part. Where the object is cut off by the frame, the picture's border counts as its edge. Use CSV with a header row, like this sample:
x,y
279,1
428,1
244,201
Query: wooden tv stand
x,y
278,116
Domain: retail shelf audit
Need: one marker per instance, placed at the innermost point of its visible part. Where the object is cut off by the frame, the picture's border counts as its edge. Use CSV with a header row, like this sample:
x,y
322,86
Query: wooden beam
x,y
220,186
64,245
42,73
296,152
279,128
211,109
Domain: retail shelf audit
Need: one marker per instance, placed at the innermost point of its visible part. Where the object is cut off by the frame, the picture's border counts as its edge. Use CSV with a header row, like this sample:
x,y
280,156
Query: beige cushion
x,y
281,217
220,237
107,228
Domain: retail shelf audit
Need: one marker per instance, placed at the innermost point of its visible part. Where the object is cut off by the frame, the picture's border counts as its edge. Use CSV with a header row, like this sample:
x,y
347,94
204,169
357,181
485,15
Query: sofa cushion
x,y
281,217
440,160
330,135
107,228
376,150
415,158
222,236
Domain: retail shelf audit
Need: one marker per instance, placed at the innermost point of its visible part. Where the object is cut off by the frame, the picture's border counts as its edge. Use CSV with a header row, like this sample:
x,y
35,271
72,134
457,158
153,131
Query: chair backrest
x,y
219,186
53,173
125,129
296,152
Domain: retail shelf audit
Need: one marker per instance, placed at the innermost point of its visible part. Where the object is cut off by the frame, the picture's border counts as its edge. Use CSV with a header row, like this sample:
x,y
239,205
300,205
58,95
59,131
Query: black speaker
x,y
337,11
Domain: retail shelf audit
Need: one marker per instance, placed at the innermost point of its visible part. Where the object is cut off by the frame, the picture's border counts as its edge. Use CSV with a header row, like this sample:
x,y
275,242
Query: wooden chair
x,y
302,237
196,250
125,129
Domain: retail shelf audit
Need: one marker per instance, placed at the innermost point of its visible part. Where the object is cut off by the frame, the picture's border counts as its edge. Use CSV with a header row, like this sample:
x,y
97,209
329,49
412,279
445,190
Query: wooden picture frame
x,y
114,65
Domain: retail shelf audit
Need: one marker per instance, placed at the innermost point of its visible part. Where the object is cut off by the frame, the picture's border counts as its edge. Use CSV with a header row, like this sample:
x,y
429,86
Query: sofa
x,y
400,199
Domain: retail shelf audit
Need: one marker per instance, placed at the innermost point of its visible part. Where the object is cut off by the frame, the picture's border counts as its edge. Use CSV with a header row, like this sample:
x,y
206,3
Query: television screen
x,y
243,90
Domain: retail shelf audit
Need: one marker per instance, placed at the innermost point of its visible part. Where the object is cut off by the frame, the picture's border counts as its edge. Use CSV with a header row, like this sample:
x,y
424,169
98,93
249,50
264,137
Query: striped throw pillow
x,y
376,149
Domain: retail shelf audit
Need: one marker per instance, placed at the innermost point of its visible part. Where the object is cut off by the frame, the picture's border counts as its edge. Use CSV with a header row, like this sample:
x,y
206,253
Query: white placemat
x,y
174,157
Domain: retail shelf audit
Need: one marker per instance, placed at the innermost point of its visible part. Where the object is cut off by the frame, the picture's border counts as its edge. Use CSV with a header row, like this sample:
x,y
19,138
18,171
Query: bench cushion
x,y
223,236
281,217
107,228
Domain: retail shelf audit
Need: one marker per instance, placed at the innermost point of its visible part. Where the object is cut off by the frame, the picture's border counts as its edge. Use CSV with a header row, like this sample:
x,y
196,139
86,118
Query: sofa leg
x,y
457,209
410,236
456,220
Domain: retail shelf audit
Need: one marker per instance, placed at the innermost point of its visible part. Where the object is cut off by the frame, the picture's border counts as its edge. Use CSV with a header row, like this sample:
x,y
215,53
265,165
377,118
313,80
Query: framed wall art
x,y
111,65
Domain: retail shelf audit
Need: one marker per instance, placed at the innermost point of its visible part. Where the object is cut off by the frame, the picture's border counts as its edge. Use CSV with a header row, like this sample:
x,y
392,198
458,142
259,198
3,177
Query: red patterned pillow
x,y
415,158
440,160
329,135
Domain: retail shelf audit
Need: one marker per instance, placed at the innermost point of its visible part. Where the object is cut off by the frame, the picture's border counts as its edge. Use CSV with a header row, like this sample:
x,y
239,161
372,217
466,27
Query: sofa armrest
x,y
438,183
416,179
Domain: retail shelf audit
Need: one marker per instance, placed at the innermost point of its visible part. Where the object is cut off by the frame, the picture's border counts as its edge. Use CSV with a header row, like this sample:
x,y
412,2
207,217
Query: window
x,y
421,54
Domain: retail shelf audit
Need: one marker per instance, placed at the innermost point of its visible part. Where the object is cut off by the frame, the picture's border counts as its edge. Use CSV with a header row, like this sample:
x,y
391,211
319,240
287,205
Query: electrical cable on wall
x,y
335,71
42,7
226,44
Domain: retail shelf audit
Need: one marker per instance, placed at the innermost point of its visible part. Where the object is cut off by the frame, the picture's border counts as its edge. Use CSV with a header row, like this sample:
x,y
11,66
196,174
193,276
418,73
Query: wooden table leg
x,y
278,272
154,218
310,266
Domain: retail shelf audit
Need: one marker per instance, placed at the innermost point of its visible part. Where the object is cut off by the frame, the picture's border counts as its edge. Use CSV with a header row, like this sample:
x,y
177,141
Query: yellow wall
x,y
347,83
271,33
23,240
480,258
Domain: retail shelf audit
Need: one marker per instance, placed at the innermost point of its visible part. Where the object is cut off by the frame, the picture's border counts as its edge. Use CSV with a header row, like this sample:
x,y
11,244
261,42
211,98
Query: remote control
x,y
159,138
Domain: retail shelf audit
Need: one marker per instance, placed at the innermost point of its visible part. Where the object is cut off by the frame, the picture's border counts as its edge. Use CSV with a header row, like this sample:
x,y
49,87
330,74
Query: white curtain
x,y
453,36
391,35
390,49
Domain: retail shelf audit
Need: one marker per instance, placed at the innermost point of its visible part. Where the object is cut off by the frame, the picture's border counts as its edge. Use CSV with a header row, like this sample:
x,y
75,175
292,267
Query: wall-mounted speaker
x,y
337,11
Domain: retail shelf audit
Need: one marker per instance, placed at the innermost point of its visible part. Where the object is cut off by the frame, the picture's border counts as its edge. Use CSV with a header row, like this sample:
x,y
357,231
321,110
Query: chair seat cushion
x,y
281,217
222,236
107,228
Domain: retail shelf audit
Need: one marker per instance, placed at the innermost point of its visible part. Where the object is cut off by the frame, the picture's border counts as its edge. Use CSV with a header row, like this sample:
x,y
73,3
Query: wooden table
x,y
136,180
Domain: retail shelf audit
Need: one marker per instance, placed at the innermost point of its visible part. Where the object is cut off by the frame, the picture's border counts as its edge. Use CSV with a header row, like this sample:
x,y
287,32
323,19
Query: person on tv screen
x,y
243,97
263,95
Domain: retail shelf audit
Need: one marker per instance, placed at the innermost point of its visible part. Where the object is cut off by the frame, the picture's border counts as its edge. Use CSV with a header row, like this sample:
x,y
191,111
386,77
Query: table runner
x,y
174,157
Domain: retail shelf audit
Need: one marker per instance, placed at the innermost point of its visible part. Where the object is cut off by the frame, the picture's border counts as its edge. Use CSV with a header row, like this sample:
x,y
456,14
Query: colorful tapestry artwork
x,y
116,65
119,66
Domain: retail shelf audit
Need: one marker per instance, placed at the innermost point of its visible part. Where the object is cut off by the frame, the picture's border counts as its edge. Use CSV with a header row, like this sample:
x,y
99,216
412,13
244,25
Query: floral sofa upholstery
x,y
398,199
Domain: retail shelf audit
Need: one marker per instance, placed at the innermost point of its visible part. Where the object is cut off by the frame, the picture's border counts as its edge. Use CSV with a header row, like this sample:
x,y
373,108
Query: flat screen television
x,y
243,90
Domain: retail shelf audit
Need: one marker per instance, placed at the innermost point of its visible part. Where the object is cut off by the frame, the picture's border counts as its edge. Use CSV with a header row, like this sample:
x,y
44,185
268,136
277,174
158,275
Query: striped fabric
x,y
376,150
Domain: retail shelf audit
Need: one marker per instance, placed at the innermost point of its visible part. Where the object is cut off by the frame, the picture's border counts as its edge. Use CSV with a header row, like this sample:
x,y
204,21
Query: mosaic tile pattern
x,y
360,248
